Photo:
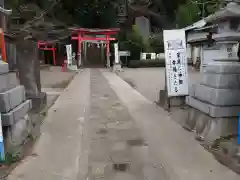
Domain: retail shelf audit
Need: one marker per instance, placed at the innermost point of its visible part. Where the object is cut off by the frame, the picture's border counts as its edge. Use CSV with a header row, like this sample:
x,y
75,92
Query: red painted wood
x,y
93,38
43,46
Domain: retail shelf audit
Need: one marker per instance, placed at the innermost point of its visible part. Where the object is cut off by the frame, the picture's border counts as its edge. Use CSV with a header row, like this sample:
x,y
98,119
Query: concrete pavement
x,y
101,128
57,152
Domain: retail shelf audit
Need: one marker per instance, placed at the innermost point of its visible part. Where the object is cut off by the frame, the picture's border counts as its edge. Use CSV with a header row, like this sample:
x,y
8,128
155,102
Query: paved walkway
x,y
102,129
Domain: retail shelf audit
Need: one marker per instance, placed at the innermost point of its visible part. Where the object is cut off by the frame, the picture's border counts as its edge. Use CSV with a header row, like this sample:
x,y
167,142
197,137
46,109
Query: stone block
x,y
191,89
191,119
221,81
3,68
222,68
17,113
16,134
11,98
217,97
208,128
211,110
8,81
169,102
177,101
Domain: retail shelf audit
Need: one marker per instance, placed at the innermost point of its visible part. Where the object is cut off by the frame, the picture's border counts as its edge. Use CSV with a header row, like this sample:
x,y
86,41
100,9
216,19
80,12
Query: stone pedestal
x,y
215,102
208,128
117,67
170,102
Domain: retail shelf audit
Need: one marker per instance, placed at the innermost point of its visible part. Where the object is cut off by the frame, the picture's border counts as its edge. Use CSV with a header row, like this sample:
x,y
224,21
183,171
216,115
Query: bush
x,y
156,43
133,42
146,63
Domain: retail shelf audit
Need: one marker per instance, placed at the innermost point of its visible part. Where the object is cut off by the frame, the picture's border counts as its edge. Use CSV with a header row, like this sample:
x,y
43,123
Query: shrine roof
x,y
232,10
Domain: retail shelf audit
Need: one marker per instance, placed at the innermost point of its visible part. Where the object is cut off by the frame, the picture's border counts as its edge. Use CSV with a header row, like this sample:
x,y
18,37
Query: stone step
x,y
3,68
11,98
217,97
8,81
211,110
17,113
222,68
221,81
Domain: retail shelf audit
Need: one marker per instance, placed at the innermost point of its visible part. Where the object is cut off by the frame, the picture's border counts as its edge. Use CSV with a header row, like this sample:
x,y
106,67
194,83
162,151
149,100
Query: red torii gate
x,y
48,46
79,36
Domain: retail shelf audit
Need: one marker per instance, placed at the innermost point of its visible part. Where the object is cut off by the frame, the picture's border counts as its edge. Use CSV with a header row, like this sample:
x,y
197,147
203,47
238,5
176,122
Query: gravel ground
x,y
54,81
55,78
149,81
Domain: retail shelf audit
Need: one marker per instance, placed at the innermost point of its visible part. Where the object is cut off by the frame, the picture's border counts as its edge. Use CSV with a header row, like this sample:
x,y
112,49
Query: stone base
x,y
39,103
211,110
117,68
170,102
16,135
72,67
208,128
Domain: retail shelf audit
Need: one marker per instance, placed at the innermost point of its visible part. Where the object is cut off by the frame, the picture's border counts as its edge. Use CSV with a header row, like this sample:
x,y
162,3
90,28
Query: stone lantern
x,y
215,101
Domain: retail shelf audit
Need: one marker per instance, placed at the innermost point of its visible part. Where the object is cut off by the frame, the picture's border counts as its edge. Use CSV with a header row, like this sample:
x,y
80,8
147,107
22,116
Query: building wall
x,y
143,25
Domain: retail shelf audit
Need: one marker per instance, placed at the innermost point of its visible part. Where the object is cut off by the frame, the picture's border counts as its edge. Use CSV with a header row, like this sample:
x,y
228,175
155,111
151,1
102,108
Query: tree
x,y
187,14
85,13
192,11
133,42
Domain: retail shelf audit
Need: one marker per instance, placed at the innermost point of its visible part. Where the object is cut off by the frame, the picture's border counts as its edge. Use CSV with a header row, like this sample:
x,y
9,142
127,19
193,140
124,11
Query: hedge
x,y
146,63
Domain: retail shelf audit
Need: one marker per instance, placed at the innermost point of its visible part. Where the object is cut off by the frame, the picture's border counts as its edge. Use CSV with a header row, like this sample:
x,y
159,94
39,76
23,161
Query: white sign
x,y
69,53
124,53
116,53
176,62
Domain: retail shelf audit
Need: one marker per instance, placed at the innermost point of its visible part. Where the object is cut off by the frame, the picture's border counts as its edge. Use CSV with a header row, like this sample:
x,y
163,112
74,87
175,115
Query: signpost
x,y
116,53
125,54
176,62
69,54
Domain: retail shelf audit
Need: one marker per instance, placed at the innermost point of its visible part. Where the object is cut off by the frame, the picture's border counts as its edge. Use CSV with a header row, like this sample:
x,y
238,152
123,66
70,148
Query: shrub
x,y
146,63
133,42
156,43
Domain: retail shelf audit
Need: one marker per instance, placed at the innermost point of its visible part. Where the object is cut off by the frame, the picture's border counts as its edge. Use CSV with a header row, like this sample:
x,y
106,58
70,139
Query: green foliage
x,y
146,63
213,6
187,14
156,43
192,11
85,13
91,13
133,42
